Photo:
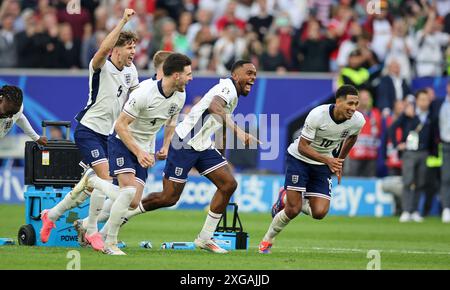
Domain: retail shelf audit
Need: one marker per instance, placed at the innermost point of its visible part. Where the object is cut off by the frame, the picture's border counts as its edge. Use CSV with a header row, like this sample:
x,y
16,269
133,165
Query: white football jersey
x,y
324,133
6,124
199,124
108,91
151,109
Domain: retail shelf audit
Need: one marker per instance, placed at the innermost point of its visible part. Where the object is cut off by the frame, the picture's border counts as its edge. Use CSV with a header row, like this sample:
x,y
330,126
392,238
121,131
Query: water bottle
x,y
178,246
146,244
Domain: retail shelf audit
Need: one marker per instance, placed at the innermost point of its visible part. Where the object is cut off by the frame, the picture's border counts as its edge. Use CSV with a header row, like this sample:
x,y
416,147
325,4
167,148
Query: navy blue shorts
x,y
311,180
122,160
92,145
180,161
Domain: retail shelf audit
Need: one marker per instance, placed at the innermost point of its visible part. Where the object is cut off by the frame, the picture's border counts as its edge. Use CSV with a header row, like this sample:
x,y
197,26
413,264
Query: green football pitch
x,y
332,243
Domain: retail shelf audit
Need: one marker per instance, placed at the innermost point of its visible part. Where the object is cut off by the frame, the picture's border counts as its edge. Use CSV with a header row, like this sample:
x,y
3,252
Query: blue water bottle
x,y
178,246
146,244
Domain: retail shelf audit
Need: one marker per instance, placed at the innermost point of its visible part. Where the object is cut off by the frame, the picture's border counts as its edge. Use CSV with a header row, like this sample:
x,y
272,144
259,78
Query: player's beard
x,y
180,86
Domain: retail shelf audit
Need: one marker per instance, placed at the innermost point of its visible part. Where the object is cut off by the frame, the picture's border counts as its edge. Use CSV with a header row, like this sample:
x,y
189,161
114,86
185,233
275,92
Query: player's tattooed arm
x,y
304,147
108,43
217,109
347,146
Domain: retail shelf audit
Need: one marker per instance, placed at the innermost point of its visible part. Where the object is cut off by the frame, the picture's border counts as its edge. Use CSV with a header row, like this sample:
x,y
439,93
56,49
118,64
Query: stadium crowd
x,y
379,46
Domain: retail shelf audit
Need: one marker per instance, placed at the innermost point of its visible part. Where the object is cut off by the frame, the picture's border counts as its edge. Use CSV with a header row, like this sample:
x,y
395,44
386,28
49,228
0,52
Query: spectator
x,y
12,7
393,161
141,59
8,57
355,74
417,142
430,41
444,129
228,48
203,49
285,32
272,59
401,48
347,46
216,7
261,23
68,49
76,21
392,88
90,45
296,9
173,8
203,18
380,28
314,53
230,18
362,161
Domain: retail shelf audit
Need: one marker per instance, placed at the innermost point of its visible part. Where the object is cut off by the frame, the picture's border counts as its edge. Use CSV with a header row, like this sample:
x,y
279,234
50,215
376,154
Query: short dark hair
x,y
346,90
12,94
420,91
175,63
126,37
238,64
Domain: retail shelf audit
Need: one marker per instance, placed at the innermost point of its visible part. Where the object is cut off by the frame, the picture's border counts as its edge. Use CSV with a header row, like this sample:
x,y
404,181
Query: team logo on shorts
x,y
173,109
95,153
128,79
120,161
178,171
294,179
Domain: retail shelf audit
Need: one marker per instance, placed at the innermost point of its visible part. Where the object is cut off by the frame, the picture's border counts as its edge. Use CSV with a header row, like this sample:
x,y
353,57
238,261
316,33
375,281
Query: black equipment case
x,y
56,164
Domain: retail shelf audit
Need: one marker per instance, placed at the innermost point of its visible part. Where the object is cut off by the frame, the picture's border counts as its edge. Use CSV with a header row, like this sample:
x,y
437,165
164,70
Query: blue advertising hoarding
x,y
255,193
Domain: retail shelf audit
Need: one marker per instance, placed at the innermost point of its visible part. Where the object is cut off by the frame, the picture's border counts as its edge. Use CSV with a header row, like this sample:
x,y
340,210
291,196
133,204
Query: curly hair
x,y
12,94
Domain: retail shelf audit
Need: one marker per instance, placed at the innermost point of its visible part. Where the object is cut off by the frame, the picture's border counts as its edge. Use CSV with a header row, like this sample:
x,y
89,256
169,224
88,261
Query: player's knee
x,y
229,187
170,200
292,211
319,213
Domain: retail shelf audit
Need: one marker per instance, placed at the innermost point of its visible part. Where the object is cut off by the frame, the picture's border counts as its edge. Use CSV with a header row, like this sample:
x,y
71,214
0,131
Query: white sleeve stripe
x,y
307,138
223,98
129,114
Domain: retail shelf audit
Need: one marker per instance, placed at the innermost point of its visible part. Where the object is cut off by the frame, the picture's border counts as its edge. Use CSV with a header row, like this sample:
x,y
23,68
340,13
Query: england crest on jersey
x,y
178,171
120,161
95,153
173,109
345,134
128,79
294,179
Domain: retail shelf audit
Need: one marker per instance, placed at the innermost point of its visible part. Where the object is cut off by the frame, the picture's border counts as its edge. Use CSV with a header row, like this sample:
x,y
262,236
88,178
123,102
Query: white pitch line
x,y
348,250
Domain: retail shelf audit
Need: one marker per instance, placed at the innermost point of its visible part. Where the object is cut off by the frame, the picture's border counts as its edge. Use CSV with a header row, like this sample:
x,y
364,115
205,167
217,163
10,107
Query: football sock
x,y
95,207
107,186
212,220
118,211
106,211
306,208
139,210
278,223
65,204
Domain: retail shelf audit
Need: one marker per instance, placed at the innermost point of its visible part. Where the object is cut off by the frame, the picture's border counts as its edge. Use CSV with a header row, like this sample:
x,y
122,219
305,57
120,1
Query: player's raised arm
x,y
108,43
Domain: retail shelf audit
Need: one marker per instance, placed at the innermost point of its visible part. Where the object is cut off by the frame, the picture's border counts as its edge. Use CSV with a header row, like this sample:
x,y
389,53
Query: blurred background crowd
x,y
277,35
